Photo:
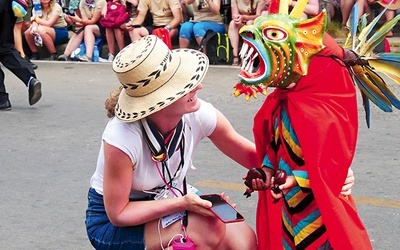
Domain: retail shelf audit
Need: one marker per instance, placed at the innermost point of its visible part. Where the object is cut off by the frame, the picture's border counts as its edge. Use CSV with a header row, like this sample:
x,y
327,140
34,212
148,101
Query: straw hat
x,y
394,6
154,77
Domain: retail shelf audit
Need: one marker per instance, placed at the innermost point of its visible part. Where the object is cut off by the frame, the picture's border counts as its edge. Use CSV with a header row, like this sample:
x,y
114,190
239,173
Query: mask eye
x,y
275,34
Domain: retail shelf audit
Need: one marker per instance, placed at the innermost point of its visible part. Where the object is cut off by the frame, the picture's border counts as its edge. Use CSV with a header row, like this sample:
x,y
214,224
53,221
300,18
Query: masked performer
x,y
307,127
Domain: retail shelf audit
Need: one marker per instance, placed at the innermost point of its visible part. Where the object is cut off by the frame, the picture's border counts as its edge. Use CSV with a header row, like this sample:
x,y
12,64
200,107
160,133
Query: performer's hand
x,y
348,183
285,188
257,179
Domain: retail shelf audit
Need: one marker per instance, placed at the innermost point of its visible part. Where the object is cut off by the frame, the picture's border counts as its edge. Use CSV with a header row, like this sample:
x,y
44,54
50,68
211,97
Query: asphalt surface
x,y
48,153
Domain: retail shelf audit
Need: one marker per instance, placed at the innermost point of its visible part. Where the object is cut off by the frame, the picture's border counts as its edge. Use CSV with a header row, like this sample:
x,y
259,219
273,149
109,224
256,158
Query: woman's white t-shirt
x,y
128,137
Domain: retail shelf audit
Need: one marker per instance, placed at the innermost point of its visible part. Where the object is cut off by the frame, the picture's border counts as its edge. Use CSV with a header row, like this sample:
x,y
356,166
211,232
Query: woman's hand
x,y
197,205
238,19
348,183
34,30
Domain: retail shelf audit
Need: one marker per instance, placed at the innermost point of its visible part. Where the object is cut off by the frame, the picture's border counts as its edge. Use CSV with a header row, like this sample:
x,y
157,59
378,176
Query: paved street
x,y
48,153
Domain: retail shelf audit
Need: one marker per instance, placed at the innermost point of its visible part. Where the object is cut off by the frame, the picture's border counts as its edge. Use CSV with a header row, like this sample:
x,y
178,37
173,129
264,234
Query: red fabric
x,y
322,108
163,34
386,47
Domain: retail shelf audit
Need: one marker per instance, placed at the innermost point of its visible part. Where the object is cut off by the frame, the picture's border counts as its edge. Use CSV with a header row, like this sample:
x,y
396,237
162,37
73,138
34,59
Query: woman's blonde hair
x,y
51,6
111,102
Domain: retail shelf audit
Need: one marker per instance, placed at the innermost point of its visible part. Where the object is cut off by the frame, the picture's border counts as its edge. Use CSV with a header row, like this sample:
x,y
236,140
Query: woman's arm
x,y
215,6
177,13
95,18
312,8
139,19
52,19
232,144
117,185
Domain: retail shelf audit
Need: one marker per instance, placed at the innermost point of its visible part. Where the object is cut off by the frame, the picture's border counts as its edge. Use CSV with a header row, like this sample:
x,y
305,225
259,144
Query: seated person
x,y
117,34
49,30
73,12
243,13
165,14
206,16
312,8
379,6
345,10
87,29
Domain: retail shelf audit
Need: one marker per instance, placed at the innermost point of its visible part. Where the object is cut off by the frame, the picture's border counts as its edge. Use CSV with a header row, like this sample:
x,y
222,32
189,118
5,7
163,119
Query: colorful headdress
x,y
277,49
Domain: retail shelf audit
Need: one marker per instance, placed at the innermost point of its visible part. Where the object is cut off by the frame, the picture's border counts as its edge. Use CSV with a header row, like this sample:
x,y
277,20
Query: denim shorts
x,y
61,36
103,234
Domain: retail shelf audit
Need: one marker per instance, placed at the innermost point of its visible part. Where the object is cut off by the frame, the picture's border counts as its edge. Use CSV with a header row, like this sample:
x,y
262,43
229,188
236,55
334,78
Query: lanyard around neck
x,y
162,148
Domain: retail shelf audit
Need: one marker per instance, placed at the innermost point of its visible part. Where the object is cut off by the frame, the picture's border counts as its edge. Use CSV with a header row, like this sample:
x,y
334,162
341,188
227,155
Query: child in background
x,y
117,34
49,30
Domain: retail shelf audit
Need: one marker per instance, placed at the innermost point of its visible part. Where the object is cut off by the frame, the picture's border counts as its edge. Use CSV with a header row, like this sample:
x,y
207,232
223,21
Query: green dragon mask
x,y
278,47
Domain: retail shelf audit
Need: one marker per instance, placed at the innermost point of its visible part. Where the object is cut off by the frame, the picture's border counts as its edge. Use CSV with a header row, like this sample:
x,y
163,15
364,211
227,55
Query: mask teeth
x,y
248,55
243,50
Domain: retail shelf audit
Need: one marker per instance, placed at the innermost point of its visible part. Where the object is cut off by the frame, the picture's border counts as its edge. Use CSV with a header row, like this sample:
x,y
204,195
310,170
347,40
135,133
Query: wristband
x,y
168,27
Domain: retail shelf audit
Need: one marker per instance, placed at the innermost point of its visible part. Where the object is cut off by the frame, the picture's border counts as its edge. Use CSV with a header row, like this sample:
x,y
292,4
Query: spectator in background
x,y
165,14
12,60
379,6
21,25
117,34
345,8
87,29
312,8
206,16
51,28
243,13
74,14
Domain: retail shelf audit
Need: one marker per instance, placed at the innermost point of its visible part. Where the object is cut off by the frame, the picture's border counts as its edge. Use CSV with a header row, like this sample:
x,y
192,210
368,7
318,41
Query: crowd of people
x,y
138,196
184,21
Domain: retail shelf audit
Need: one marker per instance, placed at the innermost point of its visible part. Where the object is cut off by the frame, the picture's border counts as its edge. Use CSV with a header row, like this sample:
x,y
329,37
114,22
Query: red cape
x,y
322,108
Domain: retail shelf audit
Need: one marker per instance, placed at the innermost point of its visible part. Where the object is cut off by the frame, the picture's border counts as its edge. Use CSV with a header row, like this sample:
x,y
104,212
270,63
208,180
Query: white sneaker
x,y
110,57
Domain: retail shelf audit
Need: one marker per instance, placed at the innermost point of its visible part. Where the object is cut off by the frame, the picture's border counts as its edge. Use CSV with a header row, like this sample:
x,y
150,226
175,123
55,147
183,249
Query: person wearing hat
x,y
138,194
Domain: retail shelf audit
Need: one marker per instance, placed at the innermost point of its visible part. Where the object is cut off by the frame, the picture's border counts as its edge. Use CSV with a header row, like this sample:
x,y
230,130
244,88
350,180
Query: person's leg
x,y
13,61
29,38
119,36
198,231
233,33
345,8
90,34
201,28
138,33
239,236
73,43
20,27
185,34
103,234
18,37
4,100
110,40
48,35
22,69
389,15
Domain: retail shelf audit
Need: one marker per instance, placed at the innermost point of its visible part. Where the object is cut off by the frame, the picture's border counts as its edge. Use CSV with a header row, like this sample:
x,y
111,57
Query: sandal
x,y
235,61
